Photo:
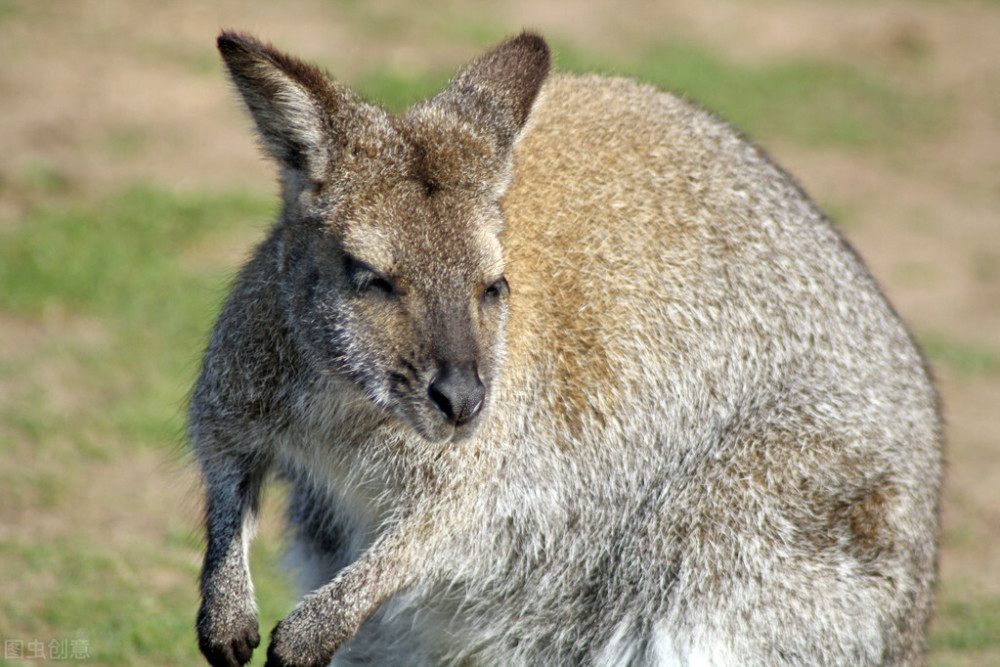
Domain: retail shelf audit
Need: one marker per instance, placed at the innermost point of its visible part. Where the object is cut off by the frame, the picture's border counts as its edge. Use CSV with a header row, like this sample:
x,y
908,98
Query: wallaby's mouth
x,y
436,425
444,430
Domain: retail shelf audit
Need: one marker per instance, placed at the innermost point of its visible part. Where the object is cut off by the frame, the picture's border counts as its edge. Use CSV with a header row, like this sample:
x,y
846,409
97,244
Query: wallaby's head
x,y
391,268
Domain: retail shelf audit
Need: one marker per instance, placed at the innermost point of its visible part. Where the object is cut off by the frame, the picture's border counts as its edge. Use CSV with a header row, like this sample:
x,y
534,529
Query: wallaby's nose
x,y
458,393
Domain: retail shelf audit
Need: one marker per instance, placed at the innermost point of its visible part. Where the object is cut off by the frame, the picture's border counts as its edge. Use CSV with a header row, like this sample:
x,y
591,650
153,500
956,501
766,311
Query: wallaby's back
x,y
717,393
678,423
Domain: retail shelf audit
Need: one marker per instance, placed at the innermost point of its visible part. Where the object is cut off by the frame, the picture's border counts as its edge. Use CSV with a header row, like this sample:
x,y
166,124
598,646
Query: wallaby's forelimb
x,y
227,619
331,615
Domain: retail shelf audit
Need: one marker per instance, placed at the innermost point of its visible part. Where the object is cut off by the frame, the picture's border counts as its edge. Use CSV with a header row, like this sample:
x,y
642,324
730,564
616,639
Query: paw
x,y
304,638
227,639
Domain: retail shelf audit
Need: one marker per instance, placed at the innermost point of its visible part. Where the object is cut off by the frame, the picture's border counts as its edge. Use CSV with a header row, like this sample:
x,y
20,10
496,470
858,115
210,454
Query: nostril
x,y
458,393
440,399
473,403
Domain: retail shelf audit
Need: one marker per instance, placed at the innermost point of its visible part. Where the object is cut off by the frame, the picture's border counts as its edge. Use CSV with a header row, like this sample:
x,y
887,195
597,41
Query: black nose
x,y
458,393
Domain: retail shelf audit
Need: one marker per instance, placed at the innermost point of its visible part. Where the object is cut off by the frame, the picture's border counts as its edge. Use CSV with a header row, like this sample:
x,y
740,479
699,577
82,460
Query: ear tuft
x,y
288,99
498,90
514,71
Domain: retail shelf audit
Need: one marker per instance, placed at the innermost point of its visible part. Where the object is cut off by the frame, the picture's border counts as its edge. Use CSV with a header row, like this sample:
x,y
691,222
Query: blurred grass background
x,y
118,236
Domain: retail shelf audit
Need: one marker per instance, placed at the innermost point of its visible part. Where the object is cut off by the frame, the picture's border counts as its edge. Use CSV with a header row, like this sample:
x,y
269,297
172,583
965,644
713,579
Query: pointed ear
x,y
291,102
497,91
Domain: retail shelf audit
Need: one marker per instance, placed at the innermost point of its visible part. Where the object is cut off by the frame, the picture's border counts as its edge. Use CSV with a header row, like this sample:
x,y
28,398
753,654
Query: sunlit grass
x,y
966,359
118,268
808,102
967,628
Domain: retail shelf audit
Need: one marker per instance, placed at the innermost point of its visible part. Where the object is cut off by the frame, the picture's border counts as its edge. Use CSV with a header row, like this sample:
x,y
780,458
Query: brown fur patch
x,y
865,517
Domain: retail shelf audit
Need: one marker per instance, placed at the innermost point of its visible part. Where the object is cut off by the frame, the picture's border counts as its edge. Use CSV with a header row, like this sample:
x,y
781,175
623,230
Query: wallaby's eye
x,y
496,290
364,278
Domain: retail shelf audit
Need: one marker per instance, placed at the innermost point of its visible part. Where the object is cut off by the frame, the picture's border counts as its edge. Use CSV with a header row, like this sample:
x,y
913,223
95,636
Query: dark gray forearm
x,y
227,623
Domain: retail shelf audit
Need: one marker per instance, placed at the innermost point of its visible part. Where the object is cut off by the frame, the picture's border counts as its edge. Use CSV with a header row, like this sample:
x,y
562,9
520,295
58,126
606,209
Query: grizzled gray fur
x,y
559,370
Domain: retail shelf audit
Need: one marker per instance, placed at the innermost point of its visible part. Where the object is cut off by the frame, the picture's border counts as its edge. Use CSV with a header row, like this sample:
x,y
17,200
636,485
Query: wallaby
x,y
559,370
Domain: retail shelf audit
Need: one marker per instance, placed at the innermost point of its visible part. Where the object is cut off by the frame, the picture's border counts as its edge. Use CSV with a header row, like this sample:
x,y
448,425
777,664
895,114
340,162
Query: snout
x,y
458,393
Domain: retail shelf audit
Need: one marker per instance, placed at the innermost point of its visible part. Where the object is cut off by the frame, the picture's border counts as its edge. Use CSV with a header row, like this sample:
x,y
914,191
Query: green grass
x,y
9,9
398,89
117,258
967,360
101,597
968,625
813,103
73,405
119,263
109,599
809,102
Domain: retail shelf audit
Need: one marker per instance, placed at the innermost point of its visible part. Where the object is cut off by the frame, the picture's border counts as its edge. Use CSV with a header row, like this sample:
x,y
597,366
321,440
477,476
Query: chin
x,y
436,430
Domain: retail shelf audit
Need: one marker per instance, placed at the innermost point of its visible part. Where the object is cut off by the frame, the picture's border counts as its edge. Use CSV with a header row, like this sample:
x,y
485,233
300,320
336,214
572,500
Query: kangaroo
x,y
558,370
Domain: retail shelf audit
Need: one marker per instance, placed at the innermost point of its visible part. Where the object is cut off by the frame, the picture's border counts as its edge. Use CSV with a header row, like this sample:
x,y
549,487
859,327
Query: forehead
x,y
427,146
408,195
403,228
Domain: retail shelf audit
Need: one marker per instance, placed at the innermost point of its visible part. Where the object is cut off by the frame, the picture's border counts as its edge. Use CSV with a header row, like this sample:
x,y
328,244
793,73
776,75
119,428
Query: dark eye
x,y
364,278
496,290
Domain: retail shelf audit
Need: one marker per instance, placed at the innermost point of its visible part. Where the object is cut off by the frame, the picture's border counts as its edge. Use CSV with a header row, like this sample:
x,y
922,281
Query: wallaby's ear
x,y
291,102
497,91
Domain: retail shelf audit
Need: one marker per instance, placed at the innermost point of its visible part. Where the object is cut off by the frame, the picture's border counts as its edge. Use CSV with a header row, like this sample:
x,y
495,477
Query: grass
x,y
967,360
118,268
107,598
398,89
967,628
130,619
118,264
813,103
117,258
968,625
